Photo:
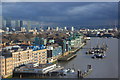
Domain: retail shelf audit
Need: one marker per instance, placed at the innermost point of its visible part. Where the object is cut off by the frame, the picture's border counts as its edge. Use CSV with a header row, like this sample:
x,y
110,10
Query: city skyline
x,y
63,14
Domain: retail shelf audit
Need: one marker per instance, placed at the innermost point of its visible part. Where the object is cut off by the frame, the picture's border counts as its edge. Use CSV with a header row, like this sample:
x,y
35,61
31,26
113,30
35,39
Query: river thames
x,y
102,68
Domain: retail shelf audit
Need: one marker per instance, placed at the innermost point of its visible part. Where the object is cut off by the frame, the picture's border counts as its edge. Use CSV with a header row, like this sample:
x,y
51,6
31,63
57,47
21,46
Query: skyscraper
x,y
13,23
57,28
72,29
28,26
3,23
19,24
48,28
8,24
65,28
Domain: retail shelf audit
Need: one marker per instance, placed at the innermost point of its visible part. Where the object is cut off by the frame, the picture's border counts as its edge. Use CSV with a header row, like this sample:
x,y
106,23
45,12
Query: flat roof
x,y
40,66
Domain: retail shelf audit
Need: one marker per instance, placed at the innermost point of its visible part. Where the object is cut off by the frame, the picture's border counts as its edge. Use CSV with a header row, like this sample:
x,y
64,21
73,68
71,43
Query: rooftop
x,y
36,66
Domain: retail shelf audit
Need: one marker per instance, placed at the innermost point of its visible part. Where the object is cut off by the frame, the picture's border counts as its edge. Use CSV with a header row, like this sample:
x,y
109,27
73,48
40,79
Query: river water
x,y
102,68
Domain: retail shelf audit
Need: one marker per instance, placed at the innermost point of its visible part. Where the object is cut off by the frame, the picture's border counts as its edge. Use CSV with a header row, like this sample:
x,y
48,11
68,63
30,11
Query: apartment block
x,y
13,57
22,57
40,56
6,66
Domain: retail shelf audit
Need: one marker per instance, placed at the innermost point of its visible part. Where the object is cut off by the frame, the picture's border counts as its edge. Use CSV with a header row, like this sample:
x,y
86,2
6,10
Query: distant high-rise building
x,y
65,28
28,26
13,23
72,29
19,24
57,28
3,23
48,28
8,24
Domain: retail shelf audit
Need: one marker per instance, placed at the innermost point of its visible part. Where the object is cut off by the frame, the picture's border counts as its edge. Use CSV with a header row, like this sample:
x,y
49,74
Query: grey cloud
x,y
63,13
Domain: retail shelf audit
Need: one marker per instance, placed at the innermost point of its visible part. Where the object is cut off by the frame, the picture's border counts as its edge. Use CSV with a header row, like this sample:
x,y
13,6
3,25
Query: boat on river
x,y
99,56
97,49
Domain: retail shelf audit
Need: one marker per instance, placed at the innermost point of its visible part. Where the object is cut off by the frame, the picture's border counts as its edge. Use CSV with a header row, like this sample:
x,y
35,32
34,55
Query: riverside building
x,y
15,56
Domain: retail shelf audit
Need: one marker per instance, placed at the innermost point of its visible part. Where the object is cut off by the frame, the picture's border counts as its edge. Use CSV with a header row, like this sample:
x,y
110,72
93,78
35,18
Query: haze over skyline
x,y
63,13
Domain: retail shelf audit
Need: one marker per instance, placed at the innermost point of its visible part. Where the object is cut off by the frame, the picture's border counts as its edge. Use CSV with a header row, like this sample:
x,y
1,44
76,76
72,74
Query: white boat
x,y
98,56
88,38
68,71
72,70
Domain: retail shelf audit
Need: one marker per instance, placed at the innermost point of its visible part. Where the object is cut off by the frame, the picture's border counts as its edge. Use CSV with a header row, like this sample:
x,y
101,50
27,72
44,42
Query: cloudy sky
x,y
63,13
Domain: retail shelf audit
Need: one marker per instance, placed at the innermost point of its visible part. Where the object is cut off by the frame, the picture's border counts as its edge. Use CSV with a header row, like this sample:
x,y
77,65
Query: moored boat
x,y
99,56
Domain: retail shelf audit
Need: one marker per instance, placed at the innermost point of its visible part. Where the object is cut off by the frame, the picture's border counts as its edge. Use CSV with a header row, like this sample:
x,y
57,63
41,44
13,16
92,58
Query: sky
x,y
63,13
60,0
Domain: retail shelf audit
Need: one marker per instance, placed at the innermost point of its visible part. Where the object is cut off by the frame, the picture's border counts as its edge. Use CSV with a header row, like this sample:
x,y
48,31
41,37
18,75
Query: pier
x,y
70,54
67,57
74,51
